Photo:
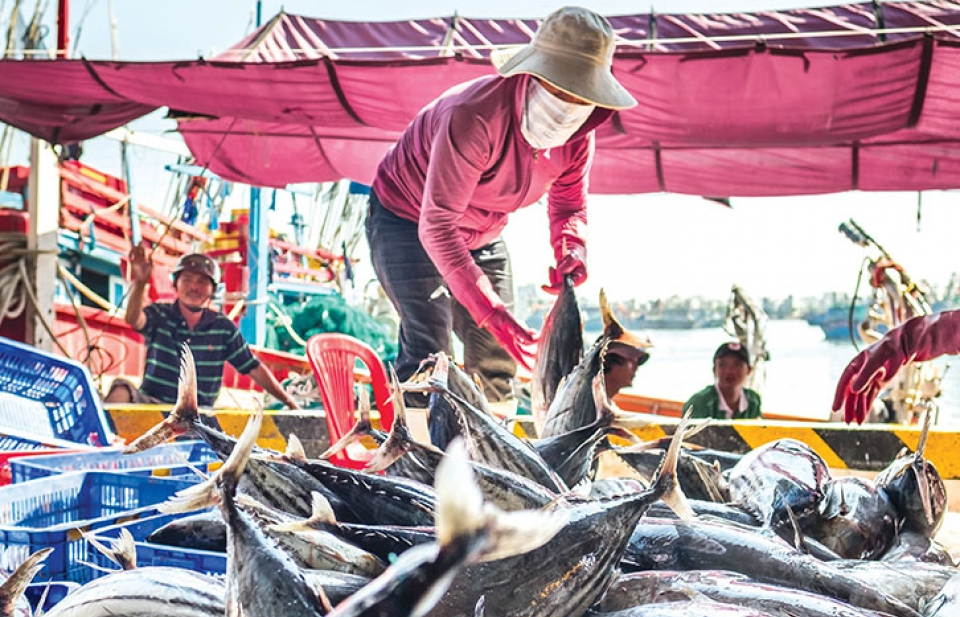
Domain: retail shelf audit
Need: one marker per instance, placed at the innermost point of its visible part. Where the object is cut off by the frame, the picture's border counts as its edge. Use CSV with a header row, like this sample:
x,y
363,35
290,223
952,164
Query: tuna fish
x,y
779,481
262,579
916,489
567,575
146,592
205,531
854,519
722,586
572,454
466,531
661,544
374,499
491,444
559,352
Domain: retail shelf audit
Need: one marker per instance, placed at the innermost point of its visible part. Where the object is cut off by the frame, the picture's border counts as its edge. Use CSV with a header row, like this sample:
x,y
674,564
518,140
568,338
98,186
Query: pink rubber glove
x,y
571,263
516,339
471,287
916,340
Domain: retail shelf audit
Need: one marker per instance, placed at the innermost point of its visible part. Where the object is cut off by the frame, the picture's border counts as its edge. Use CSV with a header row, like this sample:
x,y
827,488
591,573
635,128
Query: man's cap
x,y
732,349
201,264
573,50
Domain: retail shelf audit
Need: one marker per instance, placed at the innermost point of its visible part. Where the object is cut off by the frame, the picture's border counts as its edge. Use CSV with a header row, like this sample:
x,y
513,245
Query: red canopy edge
x,y
739,117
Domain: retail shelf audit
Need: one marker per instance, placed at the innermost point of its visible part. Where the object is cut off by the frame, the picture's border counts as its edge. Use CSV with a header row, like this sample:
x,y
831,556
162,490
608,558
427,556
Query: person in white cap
x,y
480,151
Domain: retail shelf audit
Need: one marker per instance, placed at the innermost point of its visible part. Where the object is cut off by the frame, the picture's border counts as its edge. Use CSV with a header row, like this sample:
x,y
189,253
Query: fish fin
x,y
924,487
517,532
459,500
795,524
14,587
184,413
440,377
295,449
666,475
324,599
611,326
362,428
398,442
321,511
122,550
207,493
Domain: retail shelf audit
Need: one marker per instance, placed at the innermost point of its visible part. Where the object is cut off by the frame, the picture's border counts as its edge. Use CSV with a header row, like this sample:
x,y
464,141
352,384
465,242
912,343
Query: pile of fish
x,y
480,522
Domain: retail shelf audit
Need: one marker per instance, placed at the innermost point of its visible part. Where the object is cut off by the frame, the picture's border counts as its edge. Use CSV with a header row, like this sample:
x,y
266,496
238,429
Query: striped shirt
x,y
213,341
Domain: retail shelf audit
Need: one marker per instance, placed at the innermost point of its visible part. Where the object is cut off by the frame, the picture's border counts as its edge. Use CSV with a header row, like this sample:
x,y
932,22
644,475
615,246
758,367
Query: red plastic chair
x,y
333,357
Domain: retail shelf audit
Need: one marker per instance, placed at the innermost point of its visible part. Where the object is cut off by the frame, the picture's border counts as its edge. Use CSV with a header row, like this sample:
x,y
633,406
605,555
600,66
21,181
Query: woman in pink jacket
x,y
482,150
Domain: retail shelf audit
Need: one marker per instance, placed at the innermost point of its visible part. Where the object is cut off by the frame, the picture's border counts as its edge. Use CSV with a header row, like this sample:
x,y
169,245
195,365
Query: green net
x,y
326,313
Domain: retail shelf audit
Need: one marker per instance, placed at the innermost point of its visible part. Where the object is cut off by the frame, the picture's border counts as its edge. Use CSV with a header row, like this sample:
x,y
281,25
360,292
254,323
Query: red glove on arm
x,y
572,262
916,340
475,292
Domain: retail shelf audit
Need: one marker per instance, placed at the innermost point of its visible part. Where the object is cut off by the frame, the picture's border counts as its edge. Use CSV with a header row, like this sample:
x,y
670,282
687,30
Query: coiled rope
x,y
15,286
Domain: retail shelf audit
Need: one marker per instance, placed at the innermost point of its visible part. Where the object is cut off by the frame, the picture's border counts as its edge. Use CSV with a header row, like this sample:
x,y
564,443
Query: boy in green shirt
x,y
726,398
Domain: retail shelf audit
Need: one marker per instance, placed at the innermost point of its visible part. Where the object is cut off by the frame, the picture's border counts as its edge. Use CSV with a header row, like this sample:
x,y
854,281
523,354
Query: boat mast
x,y
254,321
43,208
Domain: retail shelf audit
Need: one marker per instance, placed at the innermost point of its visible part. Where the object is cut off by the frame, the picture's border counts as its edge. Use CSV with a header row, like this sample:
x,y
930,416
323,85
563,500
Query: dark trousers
x,y
428,312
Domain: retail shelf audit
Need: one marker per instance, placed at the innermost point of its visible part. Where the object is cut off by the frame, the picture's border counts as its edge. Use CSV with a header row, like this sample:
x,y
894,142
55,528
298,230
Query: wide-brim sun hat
x,y
573,50
629,345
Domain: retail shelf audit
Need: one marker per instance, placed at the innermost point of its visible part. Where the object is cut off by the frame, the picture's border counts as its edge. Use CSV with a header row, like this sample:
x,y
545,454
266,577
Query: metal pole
x,y
63,27
254,322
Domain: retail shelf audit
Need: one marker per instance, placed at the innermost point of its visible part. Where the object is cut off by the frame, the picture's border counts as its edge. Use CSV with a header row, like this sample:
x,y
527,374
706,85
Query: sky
x,y
639,246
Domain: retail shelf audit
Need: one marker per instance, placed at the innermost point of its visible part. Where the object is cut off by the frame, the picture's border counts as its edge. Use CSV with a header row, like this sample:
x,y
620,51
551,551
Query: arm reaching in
x,y
474,291
141,268
916,340
266,380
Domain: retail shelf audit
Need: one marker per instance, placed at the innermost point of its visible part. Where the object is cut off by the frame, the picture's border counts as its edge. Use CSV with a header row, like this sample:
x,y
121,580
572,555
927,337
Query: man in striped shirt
x,y
212,337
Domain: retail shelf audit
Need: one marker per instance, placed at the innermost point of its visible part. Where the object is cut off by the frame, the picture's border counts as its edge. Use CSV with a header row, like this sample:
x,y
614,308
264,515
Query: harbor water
x,y
801,374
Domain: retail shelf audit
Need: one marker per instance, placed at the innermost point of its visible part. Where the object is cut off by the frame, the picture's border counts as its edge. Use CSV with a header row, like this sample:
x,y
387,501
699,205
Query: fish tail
x,y
666,477
14,587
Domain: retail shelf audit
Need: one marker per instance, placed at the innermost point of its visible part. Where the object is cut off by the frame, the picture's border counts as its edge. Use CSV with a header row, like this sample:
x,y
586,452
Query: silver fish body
x,y
663,544
854,519
917,491
205,531
722,586
687,609
147,592
376,500
779,478
914,584
491,444
559,352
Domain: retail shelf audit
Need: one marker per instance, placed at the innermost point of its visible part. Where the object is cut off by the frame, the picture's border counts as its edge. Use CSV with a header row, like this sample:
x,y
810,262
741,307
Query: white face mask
x,y
547,121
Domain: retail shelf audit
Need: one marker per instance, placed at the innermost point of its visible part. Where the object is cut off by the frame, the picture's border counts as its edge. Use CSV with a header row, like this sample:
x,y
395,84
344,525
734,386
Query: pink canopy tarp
x,y
863,96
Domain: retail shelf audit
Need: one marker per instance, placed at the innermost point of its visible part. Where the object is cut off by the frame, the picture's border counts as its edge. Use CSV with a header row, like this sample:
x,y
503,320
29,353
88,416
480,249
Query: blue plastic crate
x,y
173,459
150,554
51,512
54,590
14,446
49,396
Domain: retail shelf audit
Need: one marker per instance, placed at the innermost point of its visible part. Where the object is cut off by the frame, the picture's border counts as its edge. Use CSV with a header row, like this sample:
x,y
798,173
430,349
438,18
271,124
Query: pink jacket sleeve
x,y
460,152
567,201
